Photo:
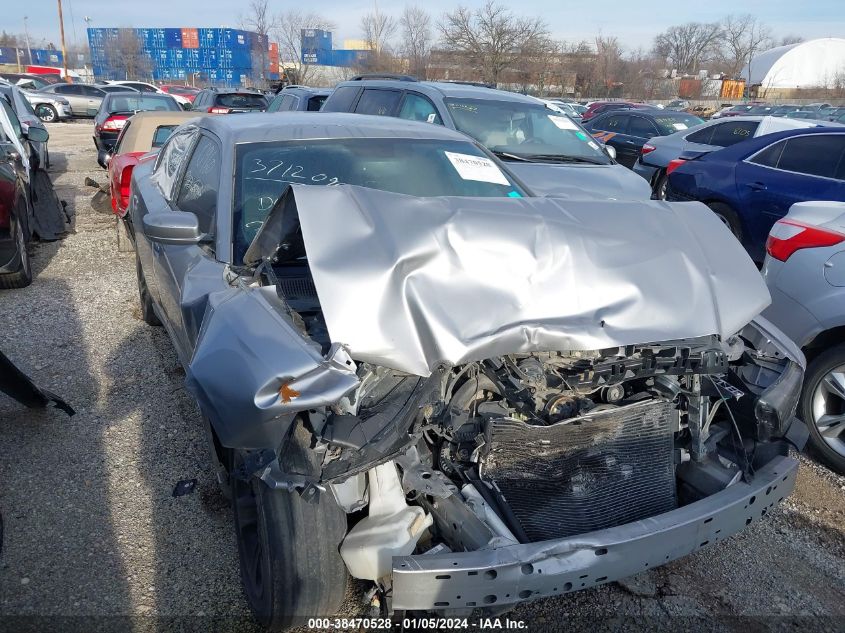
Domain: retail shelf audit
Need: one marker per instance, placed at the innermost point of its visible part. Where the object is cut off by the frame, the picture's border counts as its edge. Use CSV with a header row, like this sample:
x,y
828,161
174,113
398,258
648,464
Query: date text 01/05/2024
x,y
481,624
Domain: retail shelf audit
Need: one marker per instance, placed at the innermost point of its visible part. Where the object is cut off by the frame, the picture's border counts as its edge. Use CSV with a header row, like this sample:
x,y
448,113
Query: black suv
x,y
228,101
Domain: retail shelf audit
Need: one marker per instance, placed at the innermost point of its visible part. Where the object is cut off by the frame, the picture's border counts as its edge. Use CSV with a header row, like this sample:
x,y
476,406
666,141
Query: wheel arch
x,y
823,341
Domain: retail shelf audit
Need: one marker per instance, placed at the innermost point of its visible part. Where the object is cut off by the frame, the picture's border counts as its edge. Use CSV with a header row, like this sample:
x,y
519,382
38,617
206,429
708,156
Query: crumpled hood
x,y
601,182
410,283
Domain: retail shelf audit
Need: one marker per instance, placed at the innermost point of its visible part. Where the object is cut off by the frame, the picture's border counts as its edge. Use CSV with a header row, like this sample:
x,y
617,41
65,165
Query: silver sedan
x,y
805,272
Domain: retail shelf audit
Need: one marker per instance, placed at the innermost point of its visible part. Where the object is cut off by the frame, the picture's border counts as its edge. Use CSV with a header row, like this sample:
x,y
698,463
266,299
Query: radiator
x,y
597,471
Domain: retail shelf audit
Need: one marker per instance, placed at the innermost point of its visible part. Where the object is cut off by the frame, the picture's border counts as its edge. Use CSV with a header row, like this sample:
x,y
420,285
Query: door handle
x,y
757,186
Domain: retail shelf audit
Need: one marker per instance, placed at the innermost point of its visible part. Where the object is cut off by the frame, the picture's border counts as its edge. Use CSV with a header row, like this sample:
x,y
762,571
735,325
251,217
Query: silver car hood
x,y
410,283
604,182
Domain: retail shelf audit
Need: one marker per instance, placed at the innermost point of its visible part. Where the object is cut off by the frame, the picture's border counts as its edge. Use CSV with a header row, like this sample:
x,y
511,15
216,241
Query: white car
x,y
143,86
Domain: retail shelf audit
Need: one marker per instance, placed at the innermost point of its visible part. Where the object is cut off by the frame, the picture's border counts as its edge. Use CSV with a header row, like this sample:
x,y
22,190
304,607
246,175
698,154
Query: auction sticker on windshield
x,y
563,122
476,168
679,126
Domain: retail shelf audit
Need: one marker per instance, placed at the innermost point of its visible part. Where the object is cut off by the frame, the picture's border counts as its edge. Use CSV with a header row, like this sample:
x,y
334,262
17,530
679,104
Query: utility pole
x,y
62,34
26,35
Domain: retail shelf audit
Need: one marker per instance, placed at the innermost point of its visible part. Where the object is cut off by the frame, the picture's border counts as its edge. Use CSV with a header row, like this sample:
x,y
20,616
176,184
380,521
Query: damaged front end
x,y
508,457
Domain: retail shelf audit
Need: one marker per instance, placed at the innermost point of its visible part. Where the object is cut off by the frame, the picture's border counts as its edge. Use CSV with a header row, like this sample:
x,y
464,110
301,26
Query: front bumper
x,y
519,573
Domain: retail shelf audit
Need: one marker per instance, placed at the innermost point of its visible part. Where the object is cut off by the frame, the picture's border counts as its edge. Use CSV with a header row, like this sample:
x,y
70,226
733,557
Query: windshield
x,y
668,124
239,100
516,130
416,167
141,103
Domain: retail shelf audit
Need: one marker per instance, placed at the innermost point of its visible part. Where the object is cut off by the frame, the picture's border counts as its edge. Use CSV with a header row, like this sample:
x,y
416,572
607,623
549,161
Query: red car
x,y
183,91
600,107
142,133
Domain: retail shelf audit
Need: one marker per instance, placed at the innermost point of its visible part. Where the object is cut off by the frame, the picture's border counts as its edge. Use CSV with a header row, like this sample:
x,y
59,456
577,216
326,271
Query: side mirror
x,y
610,151
37,134
187,106
177,228
103,158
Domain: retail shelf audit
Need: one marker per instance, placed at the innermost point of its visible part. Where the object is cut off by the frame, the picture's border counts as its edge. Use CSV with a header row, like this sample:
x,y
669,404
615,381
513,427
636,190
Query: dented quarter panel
x,y
246,350
410,283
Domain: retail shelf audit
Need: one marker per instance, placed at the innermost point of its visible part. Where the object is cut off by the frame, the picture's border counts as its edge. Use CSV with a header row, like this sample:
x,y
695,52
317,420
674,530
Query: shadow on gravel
x,y
61,558
193,583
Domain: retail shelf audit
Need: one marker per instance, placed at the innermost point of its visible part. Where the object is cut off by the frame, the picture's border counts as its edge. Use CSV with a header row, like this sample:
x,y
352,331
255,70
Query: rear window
x,y
242,101
342,99
161,134
141,103
315,103
727,134
672,124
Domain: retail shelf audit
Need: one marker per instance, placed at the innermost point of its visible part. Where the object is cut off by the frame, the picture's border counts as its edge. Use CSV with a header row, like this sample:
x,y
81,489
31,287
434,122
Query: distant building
x,y
787,71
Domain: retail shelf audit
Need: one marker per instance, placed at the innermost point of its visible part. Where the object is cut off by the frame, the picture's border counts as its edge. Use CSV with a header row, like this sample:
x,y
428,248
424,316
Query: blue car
x,y
752,184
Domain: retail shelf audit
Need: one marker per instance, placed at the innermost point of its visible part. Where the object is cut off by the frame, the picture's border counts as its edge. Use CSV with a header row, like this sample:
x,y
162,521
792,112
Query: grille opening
x,y
565,479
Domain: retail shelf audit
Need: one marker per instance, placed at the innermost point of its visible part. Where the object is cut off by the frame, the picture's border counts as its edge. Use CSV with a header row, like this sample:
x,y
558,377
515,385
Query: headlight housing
x,y
776,406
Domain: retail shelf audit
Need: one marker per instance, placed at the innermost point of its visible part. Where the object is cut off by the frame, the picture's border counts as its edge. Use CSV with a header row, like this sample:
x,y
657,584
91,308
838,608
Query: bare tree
x,y
126,55
287,31
416,39
259,20
491,38
743,37
786,40
689,45
608,63
378,29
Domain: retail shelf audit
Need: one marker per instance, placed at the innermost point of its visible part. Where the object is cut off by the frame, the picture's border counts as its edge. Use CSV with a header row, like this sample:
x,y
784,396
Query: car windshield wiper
x,y
562,158
509,156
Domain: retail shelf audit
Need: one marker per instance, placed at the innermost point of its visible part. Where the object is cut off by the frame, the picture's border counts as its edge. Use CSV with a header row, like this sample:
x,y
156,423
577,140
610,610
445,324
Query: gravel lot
x,y
92,530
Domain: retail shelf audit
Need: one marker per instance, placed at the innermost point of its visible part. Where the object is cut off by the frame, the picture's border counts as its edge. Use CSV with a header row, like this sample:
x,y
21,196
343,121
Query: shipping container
x,y
190,38
689,89
732,89
711,88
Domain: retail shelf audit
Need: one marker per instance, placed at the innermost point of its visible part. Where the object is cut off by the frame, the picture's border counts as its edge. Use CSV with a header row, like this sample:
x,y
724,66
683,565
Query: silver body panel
x,y
410,283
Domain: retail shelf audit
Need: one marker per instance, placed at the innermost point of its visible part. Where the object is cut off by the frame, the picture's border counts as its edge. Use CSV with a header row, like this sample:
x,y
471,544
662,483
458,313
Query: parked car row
x,y
543,351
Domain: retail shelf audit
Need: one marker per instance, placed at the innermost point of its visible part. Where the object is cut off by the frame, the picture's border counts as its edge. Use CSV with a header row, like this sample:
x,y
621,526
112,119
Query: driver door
x,y
186,274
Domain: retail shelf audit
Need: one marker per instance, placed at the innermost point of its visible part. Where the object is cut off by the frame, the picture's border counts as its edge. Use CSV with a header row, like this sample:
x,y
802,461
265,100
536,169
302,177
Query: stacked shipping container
x,y
213,56
316,46
40,57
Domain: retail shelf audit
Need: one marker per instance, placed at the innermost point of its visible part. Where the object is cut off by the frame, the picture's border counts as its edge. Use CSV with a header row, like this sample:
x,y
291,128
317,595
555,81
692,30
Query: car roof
x,y
444,88
305,90
139,135
258,127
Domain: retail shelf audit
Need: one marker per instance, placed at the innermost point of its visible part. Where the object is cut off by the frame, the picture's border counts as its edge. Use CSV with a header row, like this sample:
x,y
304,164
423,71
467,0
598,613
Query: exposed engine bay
x,y
526,448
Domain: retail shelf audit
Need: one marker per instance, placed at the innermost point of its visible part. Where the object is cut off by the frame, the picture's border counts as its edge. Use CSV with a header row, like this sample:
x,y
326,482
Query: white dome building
x,y
816,63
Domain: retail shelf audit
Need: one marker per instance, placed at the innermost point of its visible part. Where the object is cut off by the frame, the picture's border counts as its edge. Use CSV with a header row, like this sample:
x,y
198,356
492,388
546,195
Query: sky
x,y
635,23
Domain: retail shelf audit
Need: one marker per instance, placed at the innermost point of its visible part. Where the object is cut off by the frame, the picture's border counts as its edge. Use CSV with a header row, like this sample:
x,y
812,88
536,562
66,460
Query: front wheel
x,y
288,548
47,113
823,406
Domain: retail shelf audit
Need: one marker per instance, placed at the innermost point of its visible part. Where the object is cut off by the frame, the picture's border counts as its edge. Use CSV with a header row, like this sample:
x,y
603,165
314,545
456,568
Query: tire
x,y
147,313
728,216
124,242
22,277
659,191
823,402
47,113
288,548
